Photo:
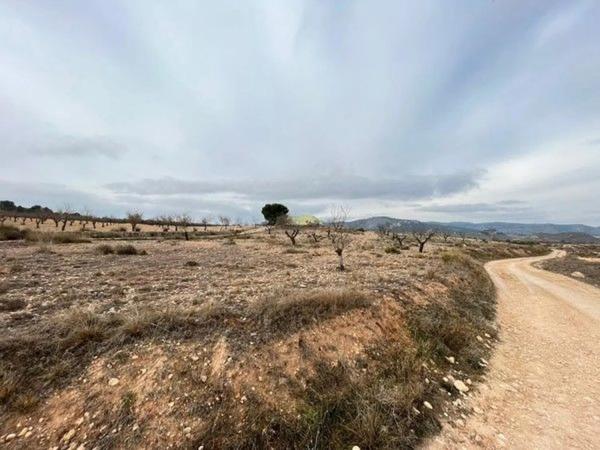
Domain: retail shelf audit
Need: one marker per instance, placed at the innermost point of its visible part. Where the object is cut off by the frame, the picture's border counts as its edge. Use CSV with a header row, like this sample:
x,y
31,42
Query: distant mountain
x,y
527,228
485,228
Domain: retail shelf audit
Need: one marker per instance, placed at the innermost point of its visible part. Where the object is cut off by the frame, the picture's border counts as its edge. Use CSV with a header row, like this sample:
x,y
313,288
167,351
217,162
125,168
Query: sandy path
x,y
543,386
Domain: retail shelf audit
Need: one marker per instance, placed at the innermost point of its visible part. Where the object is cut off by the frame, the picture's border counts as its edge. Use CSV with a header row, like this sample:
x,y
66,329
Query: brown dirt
x,y
542,387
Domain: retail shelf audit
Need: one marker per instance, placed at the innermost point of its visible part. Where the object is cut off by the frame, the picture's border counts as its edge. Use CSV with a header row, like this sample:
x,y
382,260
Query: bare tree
x,y
446,235
64,214
338,233
315,237
224,221
398,238
292,233
463,236
134,218
184,222
422,237
204,222
383,230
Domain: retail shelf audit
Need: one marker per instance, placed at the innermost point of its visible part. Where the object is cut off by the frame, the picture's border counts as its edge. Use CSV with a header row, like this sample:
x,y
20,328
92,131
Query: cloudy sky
x,y
475,110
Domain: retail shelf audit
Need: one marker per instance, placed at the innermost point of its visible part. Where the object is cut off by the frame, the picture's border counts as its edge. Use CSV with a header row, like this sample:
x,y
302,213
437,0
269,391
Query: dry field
x,y
239,340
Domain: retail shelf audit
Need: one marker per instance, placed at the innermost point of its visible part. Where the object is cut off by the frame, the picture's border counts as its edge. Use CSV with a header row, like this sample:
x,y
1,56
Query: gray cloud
x,y
333,186
72,146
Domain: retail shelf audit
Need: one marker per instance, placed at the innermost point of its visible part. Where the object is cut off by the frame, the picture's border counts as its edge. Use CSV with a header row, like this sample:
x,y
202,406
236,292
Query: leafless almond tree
x,y
134,218
224,221
184,221
204,222
422,237
292,233
338,233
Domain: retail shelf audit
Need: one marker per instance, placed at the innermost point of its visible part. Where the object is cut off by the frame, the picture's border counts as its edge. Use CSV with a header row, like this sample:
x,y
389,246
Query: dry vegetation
x,y
239,339
582,262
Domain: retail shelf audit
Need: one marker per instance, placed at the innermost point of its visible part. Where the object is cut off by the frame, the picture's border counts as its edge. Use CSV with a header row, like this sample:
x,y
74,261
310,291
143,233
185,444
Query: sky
x,y
473,110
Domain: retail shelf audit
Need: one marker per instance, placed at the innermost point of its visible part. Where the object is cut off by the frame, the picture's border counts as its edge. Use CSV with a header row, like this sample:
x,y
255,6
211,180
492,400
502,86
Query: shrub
x,y
105,249
128,250
394,250
12,304
11,233
192,264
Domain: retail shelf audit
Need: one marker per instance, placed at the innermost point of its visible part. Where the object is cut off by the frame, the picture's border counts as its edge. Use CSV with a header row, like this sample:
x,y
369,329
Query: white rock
x,y
187,430
10,437
203,378
68,435
113,381
577,274
451,359
460,386
427,405
356,447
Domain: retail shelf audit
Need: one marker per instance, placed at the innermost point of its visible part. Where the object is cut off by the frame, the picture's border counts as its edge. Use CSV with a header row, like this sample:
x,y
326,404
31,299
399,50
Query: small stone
x,y
451,359
68,435
427,405
195,358
356,447
135,426
113,381
460,423
23,431
10,437
460,386
479,338
203,378
187,430
577,274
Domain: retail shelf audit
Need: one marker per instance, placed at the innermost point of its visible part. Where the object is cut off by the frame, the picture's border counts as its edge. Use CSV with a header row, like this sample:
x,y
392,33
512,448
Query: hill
x,y
485,228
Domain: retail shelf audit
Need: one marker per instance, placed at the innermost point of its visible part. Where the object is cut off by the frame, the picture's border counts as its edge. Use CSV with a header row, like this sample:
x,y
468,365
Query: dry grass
x,y
571,264
292,312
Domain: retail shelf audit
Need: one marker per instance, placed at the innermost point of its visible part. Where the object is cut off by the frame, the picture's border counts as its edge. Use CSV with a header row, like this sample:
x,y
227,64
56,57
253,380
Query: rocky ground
x,y
238,341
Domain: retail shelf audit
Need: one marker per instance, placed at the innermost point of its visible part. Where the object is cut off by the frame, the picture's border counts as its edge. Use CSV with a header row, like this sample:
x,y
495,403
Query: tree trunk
x,y
187,238
341,256
421,246
64,225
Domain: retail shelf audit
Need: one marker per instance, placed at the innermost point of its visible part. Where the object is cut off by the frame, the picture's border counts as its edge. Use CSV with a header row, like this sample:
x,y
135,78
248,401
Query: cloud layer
x,y
426,109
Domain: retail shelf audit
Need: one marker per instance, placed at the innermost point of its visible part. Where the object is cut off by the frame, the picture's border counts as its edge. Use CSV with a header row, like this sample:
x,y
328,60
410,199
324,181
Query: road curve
x,y
542,390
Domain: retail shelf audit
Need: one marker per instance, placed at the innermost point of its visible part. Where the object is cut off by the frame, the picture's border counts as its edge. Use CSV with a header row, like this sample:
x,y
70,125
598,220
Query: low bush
x,y
11,233
128,250
105,249
12,304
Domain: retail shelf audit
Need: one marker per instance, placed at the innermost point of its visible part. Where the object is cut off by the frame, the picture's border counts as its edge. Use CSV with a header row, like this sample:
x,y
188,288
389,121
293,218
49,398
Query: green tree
x,y
272,211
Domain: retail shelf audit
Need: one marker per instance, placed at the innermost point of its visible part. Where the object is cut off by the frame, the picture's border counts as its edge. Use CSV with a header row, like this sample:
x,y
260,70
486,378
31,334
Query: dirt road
x,y
543,386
